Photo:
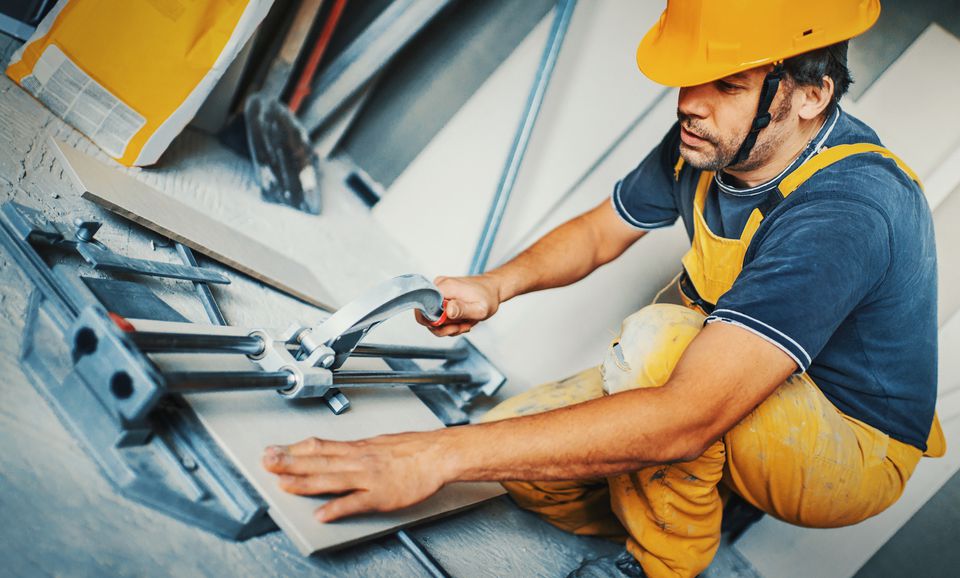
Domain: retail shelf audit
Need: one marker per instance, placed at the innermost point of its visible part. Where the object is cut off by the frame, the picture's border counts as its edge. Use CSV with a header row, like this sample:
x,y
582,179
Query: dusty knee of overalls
x,y
651,342
578,388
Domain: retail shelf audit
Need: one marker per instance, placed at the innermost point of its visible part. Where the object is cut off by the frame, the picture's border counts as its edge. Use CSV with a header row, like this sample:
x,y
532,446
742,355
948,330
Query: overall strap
x,y
822,160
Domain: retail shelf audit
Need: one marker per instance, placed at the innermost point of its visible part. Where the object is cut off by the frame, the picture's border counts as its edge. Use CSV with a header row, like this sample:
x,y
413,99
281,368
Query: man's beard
x,y
720,152
714,156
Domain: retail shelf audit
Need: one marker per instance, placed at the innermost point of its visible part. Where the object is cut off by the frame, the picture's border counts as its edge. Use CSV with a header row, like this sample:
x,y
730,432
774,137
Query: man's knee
x,y
800,459
651,342
579,388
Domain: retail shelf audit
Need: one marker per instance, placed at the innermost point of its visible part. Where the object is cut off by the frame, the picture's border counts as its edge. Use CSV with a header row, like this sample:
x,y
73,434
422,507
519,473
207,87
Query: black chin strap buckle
x,y
760,122
767,92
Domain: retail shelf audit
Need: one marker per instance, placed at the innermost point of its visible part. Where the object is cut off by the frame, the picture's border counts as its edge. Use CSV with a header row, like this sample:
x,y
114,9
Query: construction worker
x,y
800,371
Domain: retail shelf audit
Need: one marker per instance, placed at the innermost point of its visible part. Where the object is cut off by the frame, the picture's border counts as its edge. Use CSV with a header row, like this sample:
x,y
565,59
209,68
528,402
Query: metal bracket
x,y
166,460
32,227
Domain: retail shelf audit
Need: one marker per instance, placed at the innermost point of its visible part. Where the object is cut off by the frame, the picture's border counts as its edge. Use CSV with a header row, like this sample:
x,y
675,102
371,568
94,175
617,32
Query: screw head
x,y
86,229
337,402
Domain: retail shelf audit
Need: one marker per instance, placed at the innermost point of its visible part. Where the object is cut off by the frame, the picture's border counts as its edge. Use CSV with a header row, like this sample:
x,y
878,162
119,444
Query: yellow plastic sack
x,y
130,74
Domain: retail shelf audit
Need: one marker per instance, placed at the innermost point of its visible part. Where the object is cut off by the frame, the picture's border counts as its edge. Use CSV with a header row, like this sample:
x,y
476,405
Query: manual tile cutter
x,y
100,376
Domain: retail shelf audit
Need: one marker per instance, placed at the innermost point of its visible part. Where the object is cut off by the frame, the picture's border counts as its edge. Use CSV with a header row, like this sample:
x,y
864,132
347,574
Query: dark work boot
x,y
738,516
622,565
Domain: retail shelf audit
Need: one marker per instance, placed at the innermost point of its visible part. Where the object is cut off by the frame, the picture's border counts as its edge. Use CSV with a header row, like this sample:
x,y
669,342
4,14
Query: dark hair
x,y
809,68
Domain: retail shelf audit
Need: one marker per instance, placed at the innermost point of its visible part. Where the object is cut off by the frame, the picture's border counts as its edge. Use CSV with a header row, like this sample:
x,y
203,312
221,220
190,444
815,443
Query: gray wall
x,y
432,78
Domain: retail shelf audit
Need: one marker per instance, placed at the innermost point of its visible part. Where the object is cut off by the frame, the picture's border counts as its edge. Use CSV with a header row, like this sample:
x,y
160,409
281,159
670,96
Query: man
x,y
800,375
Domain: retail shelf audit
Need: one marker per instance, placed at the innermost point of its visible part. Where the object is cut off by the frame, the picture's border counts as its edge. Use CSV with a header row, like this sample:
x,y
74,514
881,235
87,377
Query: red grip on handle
x,y
443,316
121,322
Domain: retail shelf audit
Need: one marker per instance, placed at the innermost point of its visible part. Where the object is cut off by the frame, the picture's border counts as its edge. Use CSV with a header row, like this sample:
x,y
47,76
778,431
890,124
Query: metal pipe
x,y
393,378
372,49
203,289
561,22
159,342
526,240
210,381
426,560
405,352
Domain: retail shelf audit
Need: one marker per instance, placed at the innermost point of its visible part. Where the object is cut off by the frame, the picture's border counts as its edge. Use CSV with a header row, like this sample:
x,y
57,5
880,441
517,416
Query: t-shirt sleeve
x,y
818,261
645,198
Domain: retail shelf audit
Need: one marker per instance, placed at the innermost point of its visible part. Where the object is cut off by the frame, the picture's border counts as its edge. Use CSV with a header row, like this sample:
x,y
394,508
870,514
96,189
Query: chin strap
x,y
769,90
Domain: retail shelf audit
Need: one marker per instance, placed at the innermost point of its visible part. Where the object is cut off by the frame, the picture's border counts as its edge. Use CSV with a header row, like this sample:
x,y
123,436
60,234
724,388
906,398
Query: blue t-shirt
x,y
841,275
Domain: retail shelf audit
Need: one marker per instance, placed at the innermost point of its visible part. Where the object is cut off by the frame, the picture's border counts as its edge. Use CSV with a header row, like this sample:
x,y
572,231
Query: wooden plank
x,y
943,180
244,424
122,194
948,368
278,75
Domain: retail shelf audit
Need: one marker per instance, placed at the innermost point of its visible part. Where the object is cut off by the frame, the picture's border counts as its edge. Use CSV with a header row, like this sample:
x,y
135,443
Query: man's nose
x,y
693,101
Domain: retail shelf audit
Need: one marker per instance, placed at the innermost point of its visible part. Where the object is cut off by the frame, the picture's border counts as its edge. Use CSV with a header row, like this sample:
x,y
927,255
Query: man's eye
x,y
727,86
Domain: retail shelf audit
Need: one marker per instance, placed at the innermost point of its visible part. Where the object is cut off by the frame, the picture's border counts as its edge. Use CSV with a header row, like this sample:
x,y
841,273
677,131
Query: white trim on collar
x,y
810,150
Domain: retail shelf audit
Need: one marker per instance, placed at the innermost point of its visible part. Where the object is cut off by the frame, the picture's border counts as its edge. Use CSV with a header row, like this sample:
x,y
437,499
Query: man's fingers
x,y
467,310
422,319
354,503
448,329
312,446
333,483
280,463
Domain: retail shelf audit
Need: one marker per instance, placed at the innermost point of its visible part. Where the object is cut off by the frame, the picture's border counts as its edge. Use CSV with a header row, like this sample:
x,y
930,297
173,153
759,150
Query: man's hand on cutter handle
x,y
466,302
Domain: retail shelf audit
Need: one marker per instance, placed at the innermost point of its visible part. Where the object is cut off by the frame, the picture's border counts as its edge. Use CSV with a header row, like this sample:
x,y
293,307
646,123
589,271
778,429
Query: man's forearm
x,y
563,256
723,374
566,254
560,445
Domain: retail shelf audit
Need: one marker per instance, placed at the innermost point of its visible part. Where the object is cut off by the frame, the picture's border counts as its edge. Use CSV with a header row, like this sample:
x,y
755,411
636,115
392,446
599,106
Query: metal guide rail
x,y
100,373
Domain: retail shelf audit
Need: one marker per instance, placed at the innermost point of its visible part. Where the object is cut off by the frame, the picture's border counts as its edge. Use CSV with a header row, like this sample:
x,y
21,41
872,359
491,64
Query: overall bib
x,y
833,471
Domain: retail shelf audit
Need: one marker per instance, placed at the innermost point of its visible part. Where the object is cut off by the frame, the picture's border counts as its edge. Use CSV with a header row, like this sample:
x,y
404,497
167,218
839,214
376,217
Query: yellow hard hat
x,y
699,41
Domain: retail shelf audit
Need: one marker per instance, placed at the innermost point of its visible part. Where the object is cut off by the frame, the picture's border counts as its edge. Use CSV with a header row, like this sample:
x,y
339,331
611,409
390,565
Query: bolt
x,y
86,229
188,463
326,360
337,402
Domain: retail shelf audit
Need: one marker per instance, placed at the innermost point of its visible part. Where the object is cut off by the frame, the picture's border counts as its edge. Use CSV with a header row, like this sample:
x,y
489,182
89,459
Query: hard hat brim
x,y
675,59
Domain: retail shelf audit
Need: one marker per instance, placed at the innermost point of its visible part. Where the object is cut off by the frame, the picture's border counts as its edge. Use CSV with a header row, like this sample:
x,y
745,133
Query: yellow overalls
x,y
832,471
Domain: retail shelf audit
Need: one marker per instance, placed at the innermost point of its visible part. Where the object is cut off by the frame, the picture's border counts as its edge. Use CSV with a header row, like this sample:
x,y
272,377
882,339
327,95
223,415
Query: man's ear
x,y
814,99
